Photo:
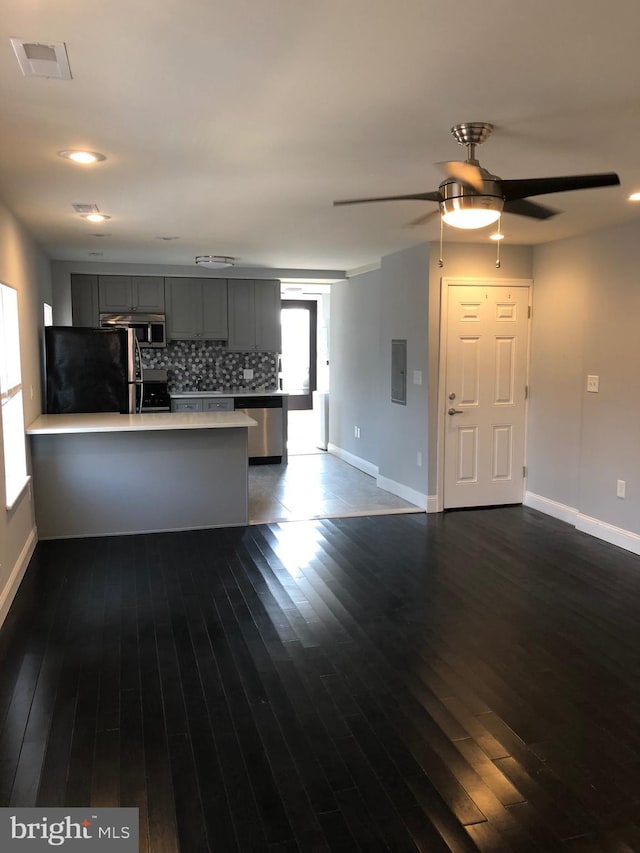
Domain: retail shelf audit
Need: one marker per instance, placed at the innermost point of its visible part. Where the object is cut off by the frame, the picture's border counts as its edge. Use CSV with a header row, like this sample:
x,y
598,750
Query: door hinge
x,y
526,392
524,470
529,312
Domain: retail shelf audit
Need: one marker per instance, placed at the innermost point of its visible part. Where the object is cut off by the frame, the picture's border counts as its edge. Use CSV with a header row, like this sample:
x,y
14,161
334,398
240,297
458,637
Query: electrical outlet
x,y
593,384
621,488
248,372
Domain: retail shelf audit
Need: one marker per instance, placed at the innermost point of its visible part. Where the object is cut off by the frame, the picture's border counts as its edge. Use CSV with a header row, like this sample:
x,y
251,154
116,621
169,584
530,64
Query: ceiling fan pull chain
x,y
499,230
440,261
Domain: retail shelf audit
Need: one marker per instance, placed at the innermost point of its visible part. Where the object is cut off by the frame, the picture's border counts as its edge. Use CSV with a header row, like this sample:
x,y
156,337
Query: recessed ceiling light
x,y
634,197
84,157
96,217
214,262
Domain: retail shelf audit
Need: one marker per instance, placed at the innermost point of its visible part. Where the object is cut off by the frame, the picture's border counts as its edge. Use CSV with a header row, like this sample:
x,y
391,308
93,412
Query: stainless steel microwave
x,y
149,329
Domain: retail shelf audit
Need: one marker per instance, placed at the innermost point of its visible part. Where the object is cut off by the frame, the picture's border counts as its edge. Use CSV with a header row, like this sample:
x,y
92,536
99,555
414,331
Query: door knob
x,y
453,411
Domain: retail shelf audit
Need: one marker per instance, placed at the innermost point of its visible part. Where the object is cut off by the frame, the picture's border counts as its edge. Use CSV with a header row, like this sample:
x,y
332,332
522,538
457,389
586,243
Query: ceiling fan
x,y
471,197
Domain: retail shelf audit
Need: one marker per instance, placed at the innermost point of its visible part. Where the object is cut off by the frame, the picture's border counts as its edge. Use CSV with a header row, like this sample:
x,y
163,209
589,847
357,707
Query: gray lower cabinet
x,y
84,300
196,309
143,293
254,315
186,405
202,404
217,404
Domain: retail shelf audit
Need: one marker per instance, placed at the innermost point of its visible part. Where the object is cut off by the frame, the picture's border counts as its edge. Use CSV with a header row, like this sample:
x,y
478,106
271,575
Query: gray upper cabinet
x,y
143,293
196,309
254,315
84,300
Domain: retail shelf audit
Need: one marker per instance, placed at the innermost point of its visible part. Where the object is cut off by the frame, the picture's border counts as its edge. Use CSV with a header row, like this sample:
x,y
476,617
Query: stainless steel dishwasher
x,y
266,441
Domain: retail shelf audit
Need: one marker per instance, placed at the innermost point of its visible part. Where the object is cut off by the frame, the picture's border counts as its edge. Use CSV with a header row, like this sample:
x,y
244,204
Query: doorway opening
x,y
299,319
298,374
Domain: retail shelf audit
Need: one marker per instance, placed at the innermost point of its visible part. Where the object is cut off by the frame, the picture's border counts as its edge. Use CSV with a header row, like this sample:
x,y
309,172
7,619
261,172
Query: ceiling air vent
x,y
42,60
85,209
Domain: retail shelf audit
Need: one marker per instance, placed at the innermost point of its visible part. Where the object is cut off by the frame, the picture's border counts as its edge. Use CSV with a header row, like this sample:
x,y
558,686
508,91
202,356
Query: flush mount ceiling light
x,y
214,262
83,157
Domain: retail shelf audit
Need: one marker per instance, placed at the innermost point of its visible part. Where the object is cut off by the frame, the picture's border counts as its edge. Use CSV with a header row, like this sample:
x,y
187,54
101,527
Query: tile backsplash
x,y
218,368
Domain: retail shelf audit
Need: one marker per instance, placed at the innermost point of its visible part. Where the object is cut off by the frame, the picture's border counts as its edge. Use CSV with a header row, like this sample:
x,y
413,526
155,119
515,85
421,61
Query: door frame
x,y
470,281
312,306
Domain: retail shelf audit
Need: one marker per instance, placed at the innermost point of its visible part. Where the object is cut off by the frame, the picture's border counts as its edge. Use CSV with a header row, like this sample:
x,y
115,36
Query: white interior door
x,y
485,386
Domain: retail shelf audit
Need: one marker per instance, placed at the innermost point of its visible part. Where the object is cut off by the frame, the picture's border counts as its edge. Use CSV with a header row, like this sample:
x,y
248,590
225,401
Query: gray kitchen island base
x,y
109,483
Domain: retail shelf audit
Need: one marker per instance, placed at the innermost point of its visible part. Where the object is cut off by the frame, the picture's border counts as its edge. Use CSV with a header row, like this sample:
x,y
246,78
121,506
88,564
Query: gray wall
x,y
368,311
586,309
405,315
355,365
24,267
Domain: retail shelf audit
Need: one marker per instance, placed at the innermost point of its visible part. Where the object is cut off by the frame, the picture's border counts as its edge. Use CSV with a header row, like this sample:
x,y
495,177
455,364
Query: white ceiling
x,y
233,124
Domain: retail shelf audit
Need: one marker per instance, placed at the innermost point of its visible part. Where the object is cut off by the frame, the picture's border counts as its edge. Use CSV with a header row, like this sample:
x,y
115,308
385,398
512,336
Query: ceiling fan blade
x,y
539,186
429,196
464,173
422,219
529,208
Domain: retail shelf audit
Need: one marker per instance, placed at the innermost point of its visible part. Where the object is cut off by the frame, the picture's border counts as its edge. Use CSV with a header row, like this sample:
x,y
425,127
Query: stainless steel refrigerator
x,y
92,370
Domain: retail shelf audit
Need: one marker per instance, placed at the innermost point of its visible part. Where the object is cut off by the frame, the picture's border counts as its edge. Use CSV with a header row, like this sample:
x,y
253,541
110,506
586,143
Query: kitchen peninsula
x,y
107,474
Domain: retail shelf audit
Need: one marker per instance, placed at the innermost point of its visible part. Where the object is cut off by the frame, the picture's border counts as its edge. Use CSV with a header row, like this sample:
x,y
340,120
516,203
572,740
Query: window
x,y
15,459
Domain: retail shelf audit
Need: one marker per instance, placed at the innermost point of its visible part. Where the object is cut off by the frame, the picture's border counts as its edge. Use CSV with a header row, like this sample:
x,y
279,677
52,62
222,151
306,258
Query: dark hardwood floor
x,y
458,682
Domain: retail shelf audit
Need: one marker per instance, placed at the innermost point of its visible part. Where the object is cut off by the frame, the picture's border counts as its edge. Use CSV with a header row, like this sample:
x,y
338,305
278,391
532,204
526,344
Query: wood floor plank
x,y
466,681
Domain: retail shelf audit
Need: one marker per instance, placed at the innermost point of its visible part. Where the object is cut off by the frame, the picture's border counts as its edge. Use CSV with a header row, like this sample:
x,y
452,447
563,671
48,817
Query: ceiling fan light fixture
x,y
469,218
214,262
462,207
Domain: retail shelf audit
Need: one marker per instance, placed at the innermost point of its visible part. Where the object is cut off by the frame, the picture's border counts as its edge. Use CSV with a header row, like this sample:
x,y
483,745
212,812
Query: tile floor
x,y
315,484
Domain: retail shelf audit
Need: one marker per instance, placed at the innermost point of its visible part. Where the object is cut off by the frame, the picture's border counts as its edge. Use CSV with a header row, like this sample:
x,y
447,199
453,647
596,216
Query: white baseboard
x,y
549,507
351,459
432,503
428,504
609,533
17,573
403,492
586,524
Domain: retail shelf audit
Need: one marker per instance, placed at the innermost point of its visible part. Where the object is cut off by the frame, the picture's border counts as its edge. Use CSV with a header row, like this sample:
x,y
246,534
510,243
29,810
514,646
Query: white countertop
x,y
114,422
178,395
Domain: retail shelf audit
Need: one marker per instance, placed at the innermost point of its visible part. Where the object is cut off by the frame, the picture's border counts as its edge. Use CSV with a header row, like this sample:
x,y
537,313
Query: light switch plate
x,y
417,377
593,383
